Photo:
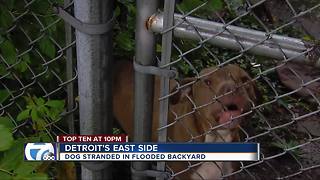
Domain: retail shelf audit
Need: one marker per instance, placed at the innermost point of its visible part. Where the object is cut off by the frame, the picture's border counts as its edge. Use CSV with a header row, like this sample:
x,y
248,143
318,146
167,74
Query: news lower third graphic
x,y
40,152
159,152
117,148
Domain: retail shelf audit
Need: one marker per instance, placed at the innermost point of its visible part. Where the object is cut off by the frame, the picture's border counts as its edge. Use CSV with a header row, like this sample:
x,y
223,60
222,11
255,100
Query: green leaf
x,y
8,51
23,115
26,168
3,70
6,139
47,47
124,41
6,122
49,22
117,11
307,38
44,137
32,139
42,110
216,4
34,176
35,115
13,158
10,4
158,48
53,114
5,18
58,104
23,65
4,94
60,2
188,5
41,7
5,175
132,9
26,58
39,101
283,103
40,125
29,101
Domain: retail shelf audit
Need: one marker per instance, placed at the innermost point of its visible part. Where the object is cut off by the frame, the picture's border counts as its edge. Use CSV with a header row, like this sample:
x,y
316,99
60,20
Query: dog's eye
x,y
245,79
208,82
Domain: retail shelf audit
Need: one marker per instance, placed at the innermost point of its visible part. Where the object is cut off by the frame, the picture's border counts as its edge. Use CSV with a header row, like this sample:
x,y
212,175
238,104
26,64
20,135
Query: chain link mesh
x,y
286,121
33,68
33,71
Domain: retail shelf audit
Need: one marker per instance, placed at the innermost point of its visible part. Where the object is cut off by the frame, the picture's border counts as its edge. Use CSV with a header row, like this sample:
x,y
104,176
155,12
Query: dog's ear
x,y
242,77
251,87
182,93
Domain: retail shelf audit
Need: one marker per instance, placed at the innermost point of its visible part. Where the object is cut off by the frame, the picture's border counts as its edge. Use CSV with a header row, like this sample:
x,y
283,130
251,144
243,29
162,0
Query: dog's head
x,y
219,95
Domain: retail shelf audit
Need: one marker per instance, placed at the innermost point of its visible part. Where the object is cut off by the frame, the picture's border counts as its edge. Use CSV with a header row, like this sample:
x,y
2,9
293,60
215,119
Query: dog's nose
x,y
227,87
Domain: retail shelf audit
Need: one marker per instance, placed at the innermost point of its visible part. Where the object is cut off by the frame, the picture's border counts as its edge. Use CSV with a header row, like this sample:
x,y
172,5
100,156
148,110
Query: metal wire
x,y
43,75
282,121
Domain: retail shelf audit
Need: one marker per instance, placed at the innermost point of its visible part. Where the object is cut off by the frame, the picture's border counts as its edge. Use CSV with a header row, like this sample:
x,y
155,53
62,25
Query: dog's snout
x,y
227,87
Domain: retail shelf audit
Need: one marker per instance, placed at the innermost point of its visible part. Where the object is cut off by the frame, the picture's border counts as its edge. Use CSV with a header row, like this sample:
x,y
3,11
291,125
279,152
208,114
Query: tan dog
x,y
227,81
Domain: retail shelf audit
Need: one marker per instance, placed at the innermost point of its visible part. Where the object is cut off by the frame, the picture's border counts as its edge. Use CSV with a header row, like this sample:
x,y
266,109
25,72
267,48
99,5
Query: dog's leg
x,y
214,170
208,171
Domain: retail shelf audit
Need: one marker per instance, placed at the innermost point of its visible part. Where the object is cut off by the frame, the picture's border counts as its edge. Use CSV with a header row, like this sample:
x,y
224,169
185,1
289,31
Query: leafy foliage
x,y
208,6
13,166
6,138
19,50
124,28
41,112
25,32
47,48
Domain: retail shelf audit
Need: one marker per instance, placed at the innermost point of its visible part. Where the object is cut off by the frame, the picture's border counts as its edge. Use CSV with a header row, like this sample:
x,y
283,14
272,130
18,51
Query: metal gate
x,y
272,52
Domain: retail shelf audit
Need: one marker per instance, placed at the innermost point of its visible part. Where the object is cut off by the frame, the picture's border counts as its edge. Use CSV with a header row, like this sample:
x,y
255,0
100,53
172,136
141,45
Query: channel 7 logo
x,y
39,152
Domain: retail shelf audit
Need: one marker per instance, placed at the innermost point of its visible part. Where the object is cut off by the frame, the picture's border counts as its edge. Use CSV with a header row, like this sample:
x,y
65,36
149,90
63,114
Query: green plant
x,y
41,113
208,6
124,29
12,165
288,145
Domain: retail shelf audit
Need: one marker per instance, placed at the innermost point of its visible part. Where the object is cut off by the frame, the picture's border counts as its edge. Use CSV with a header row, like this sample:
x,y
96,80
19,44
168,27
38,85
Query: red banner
x,y
93,138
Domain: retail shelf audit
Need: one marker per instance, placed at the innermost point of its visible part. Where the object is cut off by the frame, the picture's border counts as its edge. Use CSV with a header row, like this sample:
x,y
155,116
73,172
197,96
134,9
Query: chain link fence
x,y
36,63
37,75
276,43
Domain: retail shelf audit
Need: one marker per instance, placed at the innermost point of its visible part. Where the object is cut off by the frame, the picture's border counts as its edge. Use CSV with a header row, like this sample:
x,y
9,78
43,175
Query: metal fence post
x,y
144,84
69,71
94,56
164,82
